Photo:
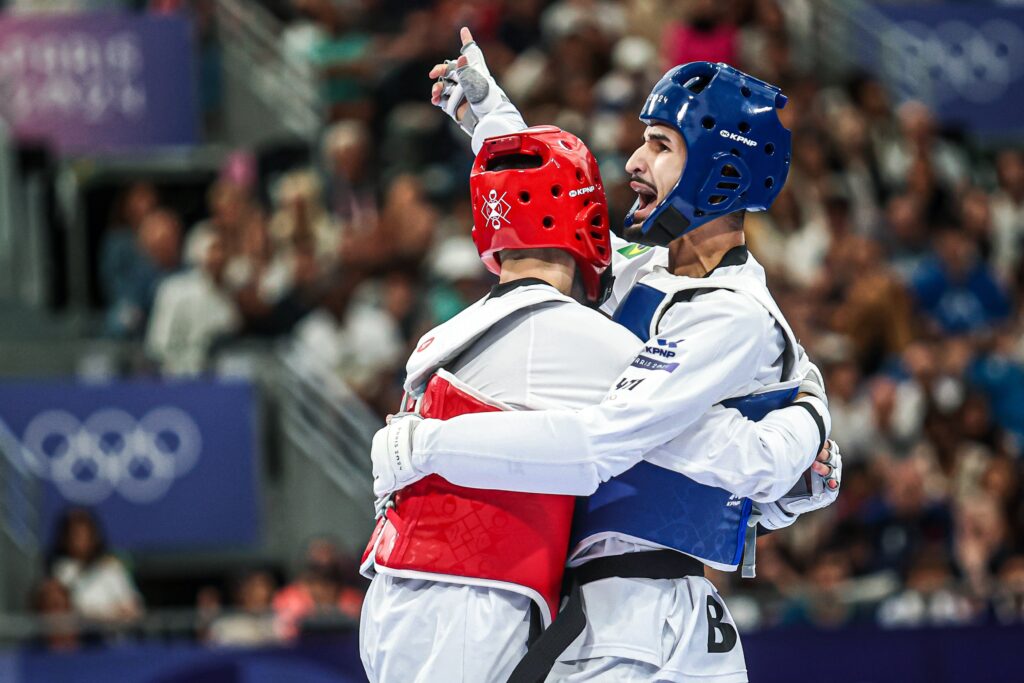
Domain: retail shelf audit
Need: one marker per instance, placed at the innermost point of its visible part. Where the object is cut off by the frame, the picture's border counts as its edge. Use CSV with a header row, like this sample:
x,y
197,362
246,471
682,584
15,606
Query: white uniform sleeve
x,y
502,120
669,386
759,460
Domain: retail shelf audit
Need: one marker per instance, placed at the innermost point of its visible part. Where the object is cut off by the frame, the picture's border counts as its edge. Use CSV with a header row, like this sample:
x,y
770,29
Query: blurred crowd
x,y
896,251
88,596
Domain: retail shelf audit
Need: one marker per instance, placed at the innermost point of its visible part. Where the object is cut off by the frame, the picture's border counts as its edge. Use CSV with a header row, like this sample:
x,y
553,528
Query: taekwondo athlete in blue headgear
x,y
737,150
675,481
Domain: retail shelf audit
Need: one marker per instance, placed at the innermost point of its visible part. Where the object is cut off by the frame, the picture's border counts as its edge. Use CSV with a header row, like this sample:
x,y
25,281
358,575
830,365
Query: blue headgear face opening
x,y
737,150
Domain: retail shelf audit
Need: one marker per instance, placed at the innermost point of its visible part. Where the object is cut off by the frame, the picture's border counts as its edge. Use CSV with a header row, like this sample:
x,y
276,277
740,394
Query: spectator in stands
x,y
338,54
408,217
352,335
956,289
908,517
301,218
229,203
350,191
322,588
100,586
1008,211
259,277
192,310
252,623
826,599
999,375
51,602
134,264
1008,599
930,598
124,269
706,34
980,541
905,235
460,275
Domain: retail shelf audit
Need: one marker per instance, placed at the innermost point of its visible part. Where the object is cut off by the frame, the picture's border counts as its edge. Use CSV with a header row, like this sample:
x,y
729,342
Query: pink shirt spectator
x,y
683,43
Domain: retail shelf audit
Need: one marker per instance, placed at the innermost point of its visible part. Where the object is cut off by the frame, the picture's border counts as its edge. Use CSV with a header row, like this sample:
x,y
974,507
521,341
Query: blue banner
x,y
164,465
95,81
968,61
984,654
333,660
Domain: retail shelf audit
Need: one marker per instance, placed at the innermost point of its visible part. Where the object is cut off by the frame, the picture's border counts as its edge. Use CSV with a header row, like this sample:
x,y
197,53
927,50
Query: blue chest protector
x,y
657,505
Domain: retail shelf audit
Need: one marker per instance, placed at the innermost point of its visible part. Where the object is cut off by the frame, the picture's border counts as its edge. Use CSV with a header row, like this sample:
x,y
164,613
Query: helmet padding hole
x,y
514,161
524,197
744,127
730,171
769,149
716,199
548,222
697,84
708,122
556,190
769,182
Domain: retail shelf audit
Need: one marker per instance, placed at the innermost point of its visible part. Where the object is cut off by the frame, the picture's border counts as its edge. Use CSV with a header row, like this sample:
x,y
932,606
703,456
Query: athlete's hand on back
x,y
391,454
465,89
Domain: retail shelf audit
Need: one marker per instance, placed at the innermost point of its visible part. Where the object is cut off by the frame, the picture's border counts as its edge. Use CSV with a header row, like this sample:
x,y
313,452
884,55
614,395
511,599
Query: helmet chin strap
x,y
657,230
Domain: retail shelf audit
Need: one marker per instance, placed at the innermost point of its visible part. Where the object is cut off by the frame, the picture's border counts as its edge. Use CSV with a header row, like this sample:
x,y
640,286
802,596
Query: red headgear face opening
x,y
541,188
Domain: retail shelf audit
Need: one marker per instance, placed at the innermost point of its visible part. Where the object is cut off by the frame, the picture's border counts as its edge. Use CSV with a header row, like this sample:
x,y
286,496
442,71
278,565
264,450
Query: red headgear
x,y
556,201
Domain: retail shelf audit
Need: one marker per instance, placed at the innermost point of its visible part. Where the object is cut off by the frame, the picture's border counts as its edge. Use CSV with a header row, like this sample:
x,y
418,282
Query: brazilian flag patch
x,y
631,250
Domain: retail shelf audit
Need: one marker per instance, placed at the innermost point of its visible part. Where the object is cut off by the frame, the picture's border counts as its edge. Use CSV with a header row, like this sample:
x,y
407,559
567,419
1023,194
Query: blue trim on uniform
x,y
756,406
741,531
637,309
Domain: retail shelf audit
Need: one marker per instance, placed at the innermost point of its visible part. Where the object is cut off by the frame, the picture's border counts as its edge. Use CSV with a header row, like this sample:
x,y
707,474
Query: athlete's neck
x,y
696,253
553,266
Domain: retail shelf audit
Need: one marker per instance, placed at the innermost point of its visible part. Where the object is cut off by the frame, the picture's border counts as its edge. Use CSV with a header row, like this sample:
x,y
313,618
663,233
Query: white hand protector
x,y
472,82
480,88
391,453
812,492
452,97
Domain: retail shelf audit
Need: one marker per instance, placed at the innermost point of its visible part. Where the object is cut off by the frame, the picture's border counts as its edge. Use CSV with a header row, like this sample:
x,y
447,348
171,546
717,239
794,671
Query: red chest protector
x,y
443,532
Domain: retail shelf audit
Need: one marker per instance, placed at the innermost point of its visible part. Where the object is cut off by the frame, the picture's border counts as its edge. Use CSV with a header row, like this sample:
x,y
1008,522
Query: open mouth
x,y
646,199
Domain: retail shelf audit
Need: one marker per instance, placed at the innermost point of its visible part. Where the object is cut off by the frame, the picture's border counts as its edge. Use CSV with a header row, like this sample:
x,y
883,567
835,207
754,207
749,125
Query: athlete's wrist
x,y
419,445
818,411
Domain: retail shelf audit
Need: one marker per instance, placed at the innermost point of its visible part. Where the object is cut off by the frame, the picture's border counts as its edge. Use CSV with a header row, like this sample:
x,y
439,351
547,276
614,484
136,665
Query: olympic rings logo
x,y
974,63
112,451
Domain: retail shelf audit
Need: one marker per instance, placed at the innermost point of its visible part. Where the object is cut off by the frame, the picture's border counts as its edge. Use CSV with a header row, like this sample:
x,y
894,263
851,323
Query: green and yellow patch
x,y
631,250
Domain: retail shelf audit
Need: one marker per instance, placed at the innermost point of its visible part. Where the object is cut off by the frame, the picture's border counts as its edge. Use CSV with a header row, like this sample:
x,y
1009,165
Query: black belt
x,y
571,620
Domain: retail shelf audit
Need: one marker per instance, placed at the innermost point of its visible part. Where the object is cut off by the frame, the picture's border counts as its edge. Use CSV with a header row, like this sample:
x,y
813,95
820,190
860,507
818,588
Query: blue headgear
x,y
737,150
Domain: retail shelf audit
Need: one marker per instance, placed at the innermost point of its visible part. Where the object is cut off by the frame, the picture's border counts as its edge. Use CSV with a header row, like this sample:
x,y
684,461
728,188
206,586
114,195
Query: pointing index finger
x,y
466,35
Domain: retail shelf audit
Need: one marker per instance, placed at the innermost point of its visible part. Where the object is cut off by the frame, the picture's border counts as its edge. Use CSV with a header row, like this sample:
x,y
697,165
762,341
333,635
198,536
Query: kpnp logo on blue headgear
x,y
737,150
112,451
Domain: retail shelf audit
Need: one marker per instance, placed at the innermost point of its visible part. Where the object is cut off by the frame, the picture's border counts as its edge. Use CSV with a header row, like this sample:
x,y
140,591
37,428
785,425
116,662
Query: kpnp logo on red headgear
x,y
495,209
